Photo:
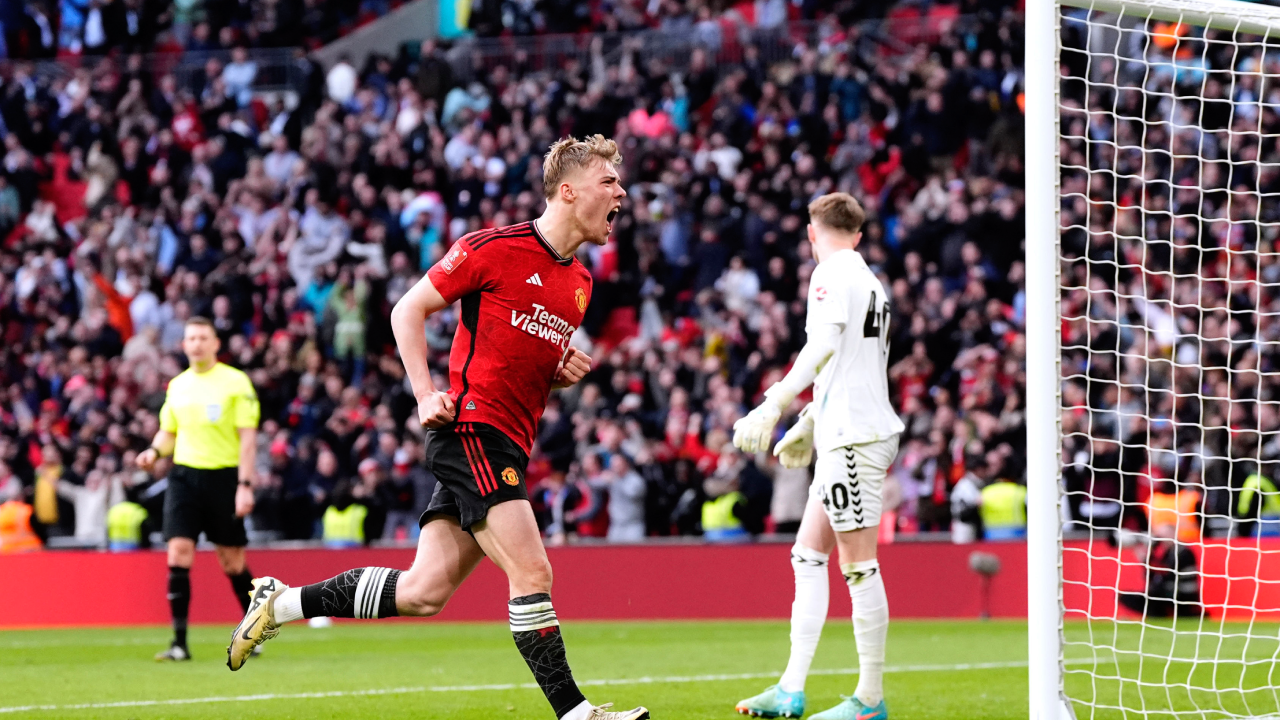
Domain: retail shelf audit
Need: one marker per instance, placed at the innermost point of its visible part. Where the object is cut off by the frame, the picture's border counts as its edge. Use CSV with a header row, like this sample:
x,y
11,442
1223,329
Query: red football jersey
x,y
521,303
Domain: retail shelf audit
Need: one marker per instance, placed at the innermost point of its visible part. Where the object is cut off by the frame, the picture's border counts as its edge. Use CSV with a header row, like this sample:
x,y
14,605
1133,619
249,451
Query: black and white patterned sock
x,y
361,593
537,634
179,602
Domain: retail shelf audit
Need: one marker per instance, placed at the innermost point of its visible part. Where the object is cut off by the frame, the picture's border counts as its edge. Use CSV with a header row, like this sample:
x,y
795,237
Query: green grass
x,y
937,670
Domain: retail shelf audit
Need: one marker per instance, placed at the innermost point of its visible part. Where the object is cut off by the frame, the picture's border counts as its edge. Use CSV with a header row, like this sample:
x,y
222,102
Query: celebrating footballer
x,y
523,294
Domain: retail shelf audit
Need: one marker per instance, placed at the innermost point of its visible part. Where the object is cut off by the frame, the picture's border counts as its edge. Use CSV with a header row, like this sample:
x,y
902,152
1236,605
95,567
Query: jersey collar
x,y
547,246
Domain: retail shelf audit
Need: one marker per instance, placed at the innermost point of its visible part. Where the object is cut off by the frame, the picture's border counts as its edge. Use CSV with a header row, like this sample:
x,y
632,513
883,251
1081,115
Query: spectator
x,y
626,501
344,520
435,75
102,489
1172,582
16,535
239,75
341,81
698,296
400,498
724,508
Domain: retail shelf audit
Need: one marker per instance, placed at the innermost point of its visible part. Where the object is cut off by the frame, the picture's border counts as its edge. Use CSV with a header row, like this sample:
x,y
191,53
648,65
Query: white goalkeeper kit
x,y
850,423
855,427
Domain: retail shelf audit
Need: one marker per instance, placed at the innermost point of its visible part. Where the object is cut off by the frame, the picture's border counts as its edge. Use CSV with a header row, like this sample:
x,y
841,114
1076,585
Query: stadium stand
x,y
131,200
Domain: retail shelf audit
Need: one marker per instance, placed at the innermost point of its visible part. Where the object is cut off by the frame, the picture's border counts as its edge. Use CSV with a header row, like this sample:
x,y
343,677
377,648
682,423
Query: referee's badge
x,y
213,411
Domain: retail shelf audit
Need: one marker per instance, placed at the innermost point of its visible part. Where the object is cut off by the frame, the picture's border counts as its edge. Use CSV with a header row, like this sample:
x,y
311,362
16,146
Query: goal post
x,y
1153,358
1044,605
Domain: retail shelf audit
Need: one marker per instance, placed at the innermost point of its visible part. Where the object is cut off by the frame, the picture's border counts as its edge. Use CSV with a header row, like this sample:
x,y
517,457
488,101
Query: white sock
x,y
808,613
870,627
580,712
288,606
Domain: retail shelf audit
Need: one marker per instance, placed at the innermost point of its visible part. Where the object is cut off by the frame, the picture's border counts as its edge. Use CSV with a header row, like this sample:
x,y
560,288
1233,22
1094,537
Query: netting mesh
x,y
1170,357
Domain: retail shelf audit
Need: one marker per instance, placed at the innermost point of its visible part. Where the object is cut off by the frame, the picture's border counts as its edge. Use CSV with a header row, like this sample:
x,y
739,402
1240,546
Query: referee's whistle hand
x,y
435,410
146,459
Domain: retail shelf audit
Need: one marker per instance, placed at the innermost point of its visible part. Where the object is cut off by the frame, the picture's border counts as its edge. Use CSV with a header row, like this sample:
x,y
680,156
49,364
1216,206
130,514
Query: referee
x,y
209,423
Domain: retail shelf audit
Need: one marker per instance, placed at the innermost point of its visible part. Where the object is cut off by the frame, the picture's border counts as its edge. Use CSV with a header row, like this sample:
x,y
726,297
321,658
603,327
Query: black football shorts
x,y
476,467
200,500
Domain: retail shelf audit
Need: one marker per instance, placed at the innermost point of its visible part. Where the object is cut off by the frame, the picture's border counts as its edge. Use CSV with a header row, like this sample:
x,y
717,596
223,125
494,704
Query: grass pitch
x,y
679,670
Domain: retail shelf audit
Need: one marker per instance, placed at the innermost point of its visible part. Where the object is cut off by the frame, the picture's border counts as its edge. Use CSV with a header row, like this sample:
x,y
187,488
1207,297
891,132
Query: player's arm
x,y
828,315
166,438
247,415
753,432
573,367
408,319
248,460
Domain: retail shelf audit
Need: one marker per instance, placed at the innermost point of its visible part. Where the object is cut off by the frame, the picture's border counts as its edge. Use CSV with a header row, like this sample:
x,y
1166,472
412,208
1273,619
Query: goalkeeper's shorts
x,y
848,481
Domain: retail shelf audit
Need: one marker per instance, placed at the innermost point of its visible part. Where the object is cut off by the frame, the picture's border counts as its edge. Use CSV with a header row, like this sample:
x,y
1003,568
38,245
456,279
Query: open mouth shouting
x,y
609,220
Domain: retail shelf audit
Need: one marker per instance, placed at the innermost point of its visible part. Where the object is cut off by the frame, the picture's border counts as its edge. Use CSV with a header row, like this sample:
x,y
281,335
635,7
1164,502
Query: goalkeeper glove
x,y
795,449
754,431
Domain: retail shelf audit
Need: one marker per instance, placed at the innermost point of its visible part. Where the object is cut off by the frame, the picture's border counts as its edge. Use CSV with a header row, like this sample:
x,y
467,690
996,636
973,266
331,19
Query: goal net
x,y
1167,412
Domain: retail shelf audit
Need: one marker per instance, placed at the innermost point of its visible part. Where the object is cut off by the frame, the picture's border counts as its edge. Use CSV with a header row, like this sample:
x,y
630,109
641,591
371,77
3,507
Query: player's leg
x,y
814,543
232,560
861,572
181,526
854,477
226,531
809,555
446,556
181,555
510,537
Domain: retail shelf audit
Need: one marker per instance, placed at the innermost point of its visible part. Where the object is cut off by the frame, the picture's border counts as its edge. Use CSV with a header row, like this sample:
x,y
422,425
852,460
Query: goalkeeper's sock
x,y
870,627
368,592
537,634
808,613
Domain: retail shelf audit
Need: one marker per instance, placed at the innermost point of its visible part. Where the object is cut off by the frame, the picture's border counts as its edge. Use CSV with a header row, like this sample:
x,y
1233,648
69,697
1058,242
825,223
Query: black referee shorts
x,y
203,501
476,467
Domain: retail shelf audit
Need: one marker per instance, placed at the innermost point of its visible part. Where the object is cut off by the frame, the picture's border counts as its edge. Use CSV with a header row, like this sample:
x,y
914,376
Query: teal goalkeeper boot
x,y
774,702
853,709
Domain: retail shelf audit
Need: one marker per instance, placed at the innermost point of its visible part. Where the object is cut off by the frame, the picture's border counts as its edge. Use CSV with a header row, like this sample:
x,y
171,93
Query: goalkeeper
x,y
854,429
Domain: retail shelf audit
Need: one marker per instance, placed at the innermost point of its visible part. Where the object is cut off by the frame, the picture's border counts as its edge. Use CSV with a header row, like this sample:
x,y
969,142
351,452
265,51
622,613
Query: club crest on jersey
x,y
453,259
820,293
213,411
581,296
510,477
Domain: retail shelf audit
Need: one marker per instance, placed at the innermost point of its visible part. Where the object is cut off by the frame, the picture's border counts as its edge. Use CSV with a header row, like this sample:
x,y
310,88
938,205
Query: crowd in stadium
x,y
130,202
1169,281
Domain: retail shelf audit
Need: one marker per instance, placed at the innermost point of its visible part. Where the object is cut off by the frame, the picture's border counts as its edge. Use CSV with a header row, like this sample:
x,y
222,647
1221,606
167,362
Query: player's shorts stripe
x,y
481,466
481,463
484,459
471,460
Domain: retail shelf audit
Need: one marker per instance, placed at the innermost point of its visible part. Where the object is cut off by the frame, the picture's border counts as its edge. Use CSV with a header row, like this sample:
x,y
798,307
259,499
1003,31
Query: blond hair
x,y
838,211
569,154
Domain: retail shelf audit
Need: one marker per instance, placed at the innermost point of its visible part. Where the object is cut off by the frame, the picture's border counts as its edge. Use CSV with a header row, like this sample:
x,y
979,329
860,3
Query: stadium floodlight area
x,y
1153,357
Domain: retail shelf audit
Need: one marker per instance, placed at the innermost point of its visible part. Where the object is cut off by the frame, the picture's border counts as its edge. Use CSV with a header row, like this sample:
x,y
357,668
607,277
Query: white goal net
x,y
1168,339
